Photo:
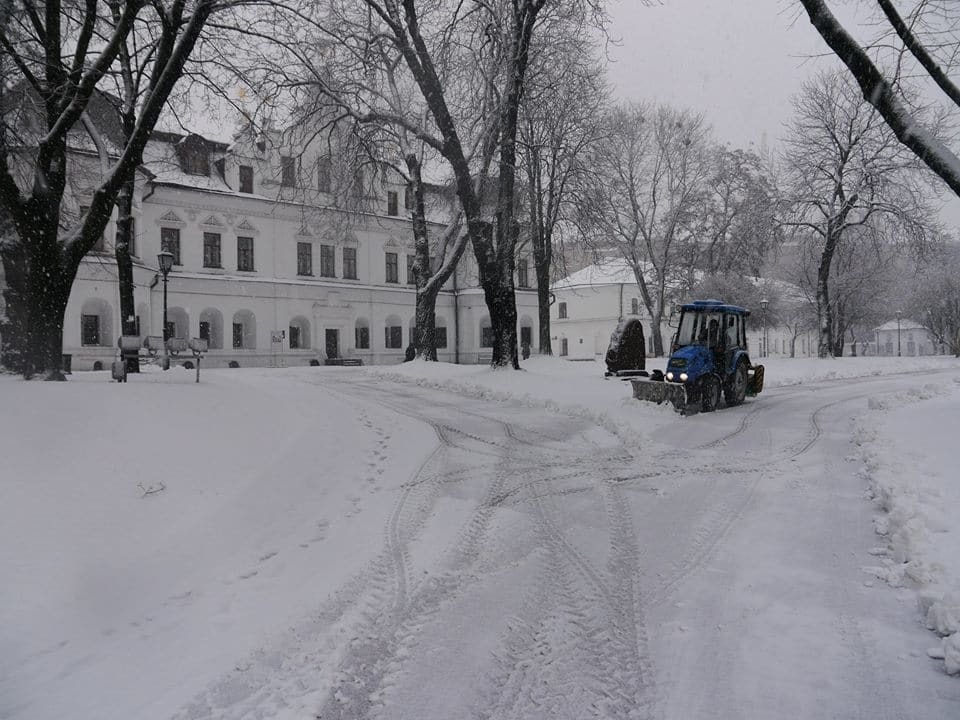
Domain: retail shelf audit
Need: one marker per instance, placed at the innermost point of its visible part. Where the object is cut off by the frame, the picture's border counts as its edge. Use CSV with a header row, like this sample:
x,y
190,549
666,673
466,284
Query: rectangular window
x,y
288,171
392,203
327,264
211,250
246,179
392,269
294,335
411,278
440,336
244,253
350,263
238,335
363,338
89,329
564,347
562,310
205,331
304,258
393,337
170,241
486,336
522,278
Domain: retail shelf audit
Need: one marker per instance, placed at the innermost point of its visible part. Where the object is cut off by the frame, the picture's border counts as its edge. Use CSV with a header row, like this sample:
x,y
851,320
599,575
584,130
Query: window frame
x,y
328,261
411,276
361,336
393,334
288,171
350,263
562,311
244,254
172,249
207,236
304,252
391,268
393,203
523,274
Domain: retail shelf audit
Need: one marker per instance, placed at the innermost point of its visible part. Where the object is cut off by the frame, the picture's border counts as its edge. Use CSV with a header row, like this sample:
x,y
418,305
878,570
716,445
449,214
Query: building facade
x,y
273,265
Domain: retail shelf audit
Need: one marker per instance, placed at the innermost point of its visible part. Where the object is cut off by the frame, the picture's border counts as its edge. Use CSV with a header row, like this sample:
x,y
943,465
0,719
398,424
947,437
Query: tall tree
x,y
847,174
56,55
644,197
559,123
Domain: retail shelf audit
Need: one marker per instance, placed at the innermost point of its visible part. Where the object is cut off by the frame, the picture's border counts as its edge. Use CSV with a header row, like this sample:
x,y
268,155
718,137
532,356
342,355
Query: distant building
x,y
906,338
590,302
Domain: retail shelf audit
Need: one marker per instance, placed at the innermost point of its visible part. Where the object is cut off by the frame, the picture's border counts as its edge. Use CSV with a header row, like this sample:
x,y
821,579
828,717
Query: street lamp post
x,y
165,261
763,304
898,333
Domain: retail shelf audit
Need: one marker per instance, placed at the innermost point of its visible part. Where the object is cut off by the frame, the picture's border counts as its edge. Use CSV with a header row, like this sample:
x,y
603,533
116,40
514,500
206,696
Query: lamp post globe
x,y
165,263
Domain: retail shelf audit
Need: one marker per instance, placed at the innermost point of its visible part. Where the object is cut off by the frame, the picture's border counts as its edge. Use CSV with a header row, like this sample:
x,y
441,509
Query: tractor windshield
x,y
699,328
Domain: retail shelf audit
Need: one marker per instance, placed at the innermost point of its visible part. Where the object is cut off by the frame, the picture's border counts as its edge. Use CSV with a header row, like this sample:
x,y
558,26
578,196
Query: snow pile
x,y
912,480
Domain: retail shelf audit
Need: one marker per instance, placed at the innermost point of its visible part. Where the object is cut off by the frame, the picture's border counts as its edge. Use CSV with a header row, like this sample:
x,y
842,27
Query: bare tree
x,y
846,171
742,224
935,302
921,44
560,122
645,197
55,57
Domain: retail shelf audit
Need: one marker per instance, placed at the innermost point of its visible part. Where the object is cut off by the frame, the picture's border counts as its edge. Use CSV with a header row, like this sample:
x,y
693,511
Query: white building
x,y
590,302
906,337
270,268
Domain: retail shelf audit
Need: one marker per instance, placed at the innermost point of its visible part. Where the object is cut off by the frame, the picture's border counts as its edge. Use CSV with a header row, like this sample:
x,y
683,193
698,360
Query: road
x,y
536,566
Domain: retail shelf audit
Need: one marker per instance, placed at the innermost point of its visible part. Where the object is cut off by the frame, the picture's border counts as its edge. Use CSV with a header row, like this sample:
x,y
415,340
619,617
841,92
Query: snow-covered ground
x,y
363,543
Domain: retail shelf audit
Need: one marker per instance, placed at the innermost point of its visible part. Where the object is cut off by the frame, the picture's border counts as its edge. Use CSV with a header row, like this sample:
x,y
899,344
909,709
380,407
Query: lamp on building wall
x,y
763,304
898,332
165,261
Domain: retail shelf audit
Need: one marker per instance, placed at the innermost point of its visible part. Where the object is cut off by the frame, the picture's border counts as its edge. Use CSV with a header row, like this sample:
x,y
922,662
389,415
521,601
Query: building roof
x,y
903,324
609,271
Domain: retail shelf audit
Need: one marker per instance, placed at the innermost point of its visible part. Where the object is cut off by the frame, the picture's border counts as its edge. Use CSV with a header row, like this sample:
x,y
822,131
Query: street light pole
x,y
165,262
763,304
898,334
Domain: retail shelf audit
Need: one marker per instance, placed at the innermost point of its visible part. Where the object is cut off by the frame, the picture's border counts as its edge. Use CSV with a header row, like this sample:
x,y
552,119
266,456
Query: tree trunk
x,y
825,344
543,306
128,311
426,309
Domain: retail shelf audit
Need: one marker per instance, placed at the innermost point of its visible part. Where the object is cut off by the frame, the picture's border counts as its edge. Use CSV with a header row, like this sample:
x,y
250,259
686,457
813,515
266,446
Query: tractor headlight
x,y
683,377
670,375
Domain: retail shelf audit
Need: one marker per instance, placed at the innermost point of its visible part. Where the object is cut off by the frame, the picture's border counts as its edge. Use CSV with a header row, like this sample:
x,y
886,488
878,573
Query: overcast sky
x,y
736,61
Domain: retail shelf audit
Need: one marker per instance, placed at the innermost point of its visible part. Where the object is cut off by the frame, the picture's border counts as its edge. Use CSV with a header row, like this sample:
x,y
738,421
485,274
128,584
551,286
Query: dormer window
x,y
194,156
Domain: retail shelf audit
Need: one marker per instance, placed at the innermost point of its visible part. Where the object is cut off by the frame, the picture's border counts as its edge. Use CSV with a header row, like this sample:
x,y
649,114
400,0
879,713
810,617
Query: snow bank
x,y
913,482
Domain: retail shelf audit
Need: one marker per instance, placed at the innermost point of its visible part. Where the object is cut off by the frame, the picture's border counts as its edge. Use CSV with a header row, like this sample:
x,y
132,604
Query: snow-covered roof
x,y
609,271
160,158
903,324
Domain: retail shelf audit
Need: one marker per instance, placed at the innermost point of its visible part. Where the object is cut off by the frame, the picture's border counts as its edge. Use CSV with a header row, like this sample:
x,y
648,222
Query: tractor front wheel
x,y
709,393
736,389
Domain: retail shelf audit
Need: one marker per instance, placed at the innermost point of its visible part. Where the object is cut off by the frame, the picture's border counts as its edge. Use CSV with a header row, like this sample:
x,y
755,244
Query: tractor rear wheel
x,y
736,389
709,393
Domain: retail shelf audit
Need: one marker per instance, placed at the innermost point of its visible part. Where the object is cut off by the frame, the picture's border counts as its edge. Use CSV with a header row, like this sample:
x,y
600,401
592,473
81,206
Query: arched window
x,y
211,328
299,333
244,330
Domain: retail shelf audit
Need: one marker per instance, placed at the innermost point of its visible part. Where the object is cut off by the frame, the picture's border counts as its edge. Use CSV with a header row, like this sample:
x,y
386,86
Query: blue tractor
x,y
708,359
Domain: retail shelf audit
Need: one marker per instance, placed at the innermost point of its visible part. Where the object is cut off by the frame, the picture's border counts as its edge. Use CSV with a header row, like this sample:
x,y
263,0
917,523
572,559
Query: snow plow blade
x,y
659,391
